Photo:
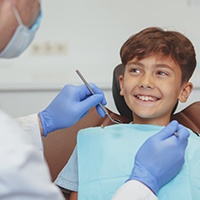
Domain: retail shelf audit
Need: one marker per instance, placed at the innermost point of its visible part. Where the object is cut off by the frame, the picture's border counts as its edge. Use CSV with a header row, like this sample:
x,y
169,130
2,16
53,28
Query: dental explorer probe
x,y
100,104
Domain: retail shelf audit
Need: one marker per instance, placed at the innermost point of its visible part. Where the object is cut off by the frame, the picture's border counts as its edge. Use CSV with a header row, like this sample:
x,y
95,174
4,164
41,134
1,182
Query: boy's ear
x,y
185,92
121,84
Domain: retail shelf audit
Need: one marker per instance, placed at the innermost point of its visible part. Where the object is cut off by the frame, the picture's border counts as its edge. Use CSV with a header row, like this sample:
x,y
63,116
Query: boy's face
x,y
151,87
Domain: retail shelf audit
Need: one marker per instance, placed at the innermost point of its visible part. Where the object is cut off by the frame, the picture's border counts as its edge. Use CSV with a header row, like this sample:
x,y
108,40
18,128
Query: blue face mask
x,y
21,39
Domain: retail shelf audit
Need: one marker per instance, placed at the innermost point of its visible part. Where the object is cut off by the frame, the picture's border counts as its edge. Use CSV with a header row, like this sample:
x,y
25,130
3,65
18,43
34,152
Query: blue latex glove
x,y
161,157
69,106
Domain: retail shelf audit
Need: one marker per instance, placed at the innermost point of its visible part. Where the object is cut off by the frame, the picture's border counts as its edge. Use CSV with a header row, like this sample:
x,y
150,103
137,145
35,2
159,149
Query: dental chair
x,y
58,146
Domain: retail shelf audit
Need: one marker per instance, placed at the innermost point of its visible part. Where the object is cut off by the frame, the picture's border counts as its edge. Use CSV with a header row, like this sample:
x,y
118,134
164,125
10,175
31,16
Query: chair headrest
x,y
118,99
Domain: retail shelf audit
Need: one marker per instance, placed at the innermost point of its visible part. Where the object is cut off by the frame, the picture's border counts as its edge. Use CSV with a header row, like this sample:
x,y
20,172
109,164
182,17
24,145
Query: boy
x,y
158,66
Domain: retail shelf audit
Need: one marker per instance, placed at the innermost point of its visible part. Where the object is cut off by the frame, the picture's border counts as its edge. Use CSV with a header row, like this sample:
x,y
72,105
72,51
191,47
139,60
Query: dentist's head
x,y
19,21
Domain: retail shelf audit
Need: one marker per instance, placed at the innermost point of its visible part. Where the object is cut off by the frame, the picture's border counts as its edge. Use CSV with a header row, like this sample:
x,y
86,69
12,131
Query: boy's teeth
x,y
145,98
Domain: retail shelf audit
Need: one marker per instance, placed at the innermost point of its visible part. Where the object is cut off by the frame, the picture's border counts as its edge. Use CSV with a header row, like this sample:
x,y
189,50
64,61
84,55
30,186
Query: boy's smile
x,y
151,88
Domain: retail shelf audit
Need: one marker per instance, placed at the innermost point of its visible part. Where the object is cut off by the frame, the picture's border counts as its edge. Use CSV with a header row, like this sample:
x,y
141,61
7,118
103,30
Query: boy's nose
x,y
146,81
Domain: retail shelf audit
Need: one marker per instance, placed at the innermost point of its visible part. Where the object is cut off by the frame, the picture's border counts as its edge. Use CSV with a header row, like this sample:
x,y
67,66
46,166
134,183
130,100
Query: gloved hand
x,y
69,106
161,157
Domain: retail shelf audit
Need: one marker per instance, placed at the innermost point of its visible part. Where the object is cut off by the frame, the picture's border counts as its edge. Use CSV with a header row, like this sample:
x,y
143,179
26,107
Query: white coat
x,y
23,172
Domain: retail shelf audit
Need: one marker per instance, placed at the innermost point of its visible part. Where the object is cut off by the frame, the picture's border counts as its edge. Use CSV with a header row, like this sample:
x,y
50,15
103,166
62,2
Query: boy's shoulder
x,y
194,139
193,148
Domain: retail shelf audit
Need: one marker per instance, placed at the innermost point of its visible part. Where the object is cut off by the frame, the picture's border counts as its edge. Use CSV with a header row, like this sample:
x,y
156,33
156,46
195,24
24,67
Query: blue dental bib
x,y
106,158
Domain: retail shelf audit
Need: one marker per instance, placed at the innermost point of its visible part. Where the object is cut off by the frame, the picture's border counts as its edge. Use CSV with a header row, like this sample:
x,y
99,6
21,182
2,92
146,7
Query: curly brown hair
x,y
154,40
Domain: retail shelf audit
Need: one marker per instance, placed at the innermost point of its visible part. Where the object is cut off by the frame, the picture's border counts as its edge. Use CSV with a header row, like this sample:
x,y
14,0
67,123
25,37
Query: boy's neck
x,y
155,121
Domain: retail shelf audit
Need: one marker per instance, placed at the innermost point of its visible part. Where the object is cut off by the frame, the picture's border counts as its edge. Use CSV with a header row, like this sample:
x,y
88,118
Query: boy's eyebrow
x,y
135,63
163,66
156,65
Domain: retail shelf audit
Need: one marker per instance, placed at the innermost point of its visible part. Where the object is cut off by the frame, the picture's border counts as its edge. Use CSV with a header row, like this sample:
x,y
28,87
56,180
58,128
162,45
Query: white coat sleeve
x,y
23,173
31,127
134,190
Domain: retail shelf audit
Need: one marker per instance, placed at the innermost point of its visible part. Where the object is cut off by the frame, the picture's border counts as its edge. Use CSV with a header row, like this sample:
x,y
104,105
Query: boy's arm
x,y
73,196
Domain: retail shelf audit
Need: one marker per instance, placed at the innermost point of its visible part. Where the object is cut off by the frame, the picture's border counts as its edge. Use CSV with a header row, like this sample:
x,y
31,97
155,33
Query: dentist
x,y
23,171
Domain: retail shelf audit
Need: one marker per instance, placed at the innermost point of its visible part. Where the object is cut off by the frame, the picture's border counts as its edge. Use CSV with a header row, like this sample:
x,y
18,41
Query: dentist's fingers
x,y
168,131
183,132
92,101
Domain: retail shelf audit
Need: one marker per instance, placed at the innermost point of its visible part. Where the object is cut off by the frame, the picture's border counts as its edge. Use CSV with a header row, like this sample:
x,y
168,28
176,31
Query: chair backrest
x,y
189,117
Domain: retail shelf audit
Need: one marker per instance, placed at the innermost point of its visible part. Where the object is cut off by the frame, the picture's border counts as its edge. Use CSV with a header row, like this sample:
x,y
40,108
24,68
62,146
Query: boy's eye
x,y
161,73
135,70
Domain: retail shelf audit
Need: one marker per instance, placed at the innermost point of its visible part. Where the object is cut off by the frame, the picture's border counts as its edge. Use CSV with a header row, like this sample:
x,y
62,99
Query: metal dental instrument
x,y
176,134
100,104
